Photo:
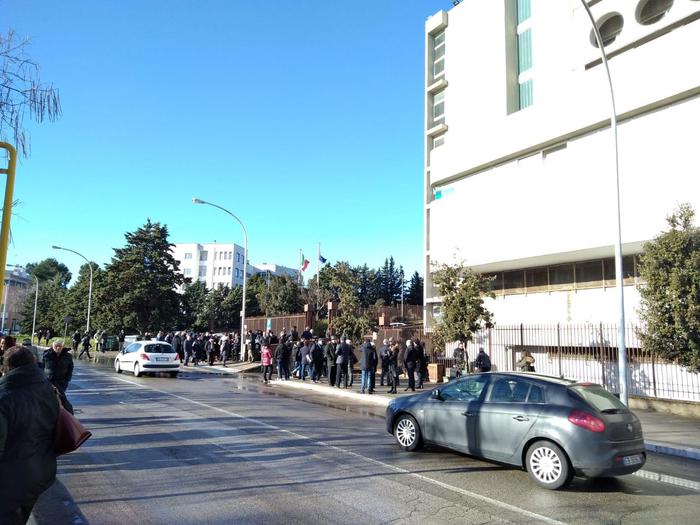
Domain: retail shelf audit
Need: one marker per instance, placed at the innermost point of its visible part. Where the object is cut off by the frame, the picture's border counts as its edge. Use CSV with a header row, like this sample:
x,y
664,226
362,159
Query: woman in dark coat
x,y
28,414
58,366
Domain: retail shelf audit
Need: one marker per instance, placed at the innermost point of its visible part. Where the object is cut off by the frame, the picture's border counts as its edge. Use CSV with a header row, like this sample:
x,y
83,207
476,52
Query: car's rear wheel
x,y
407,433
173,374
118,366
548,465
137,370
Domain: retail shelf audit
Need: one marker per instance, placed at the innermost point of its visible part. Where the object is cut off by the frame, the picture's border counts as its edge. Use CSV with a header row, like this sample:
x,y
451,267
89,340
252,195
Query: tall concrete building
x,y
221,264
519,166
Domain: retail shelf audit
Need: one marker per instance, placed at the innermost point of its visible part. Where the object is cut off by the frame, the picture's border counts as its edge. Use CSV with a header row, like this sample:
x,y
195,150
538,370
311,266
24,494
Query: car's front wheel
x,y
117,366
407,433
548,465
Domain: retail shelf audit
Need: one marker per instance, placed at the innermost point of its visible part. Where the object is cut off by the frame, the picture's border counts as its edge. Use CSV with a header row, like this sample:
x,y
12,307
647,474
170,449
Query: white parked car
x,y
144,357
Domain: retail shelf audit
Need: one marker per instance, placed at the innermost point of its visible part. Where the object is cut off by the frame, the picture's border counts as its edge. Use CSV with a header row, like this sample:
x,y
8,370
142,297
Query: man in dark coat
x,y
329,352
410,363
28,414
86,346
368,365
317,360
343,356
384,358
58,367
177,345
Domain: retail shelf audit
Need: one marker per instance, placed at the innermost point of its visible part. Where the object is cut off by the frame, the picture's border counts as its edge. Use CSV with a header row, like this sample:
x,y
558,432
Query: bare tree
x,y
22,93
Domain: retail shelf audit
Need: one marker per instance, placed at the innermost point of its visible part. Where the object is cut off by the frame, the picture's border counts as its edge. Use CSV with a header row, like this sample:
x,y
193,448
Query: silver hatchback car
x,y
554,428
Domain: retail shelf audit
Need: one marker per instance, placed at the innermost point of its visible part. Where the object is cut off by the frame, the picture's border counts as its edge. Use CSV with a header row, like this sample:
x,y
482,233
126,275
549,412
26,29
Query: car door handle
x,y
468,414
521,418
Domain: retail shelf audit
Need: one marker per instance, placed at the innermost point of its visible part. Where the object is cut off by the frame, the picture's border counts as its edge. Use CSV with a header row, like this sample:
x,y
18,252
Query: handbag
x,y
69,433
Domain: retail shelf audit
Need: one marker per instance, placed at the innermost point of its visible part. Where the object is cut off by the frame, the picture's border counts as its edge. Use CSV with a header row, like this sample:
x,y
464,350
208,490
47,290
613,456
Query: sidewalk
x,y
663,433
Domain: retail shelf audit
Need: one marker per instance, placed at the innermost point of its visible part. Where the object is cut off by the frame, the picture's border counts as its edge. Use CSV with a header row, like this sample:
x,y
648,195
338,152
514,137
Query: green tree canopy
x,y
50,310
192,303
76,299
390,282
462,310
350,322
414,295
49,268
281,296
139,292
670,295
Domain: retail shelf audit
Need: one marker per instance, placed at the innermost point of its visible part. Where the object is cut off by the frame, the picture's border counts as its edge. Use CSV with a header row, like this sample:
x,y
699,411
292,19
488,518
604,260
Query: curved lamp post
x,y
621,345
90,290
36,301
245,268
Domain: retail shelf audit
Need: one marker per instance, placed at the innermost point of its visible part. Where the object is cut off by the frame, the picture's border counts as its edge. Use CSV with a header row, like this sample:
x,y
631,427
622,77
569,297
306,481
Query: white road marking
x,y
457,490
671,480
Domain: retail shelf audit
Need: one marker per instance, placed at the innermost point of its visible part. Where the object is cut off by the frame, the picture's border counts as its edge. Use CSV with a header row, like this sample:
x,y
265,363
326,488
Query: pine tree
x,y
139,292
350,322
367,285
281,296
50,307
414,295
76,298
48,269
670,305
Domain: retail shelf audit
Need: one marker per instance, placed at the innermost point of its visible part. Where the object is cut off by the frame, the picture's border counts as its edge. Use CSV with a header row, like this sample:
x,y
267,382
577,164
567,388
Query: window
x,y
188,271
439,108
525,95
438,55
202,271
464,390
237,272
188,255
651,11
524,53
536,395
228,271
524,50
438,141
203,255
509,390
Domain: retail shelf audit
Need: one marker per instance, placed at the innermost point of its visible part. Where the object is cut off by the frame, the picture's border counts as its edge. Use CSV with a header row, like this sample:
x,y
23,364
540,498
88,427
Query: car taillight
x,y
585,420
145,357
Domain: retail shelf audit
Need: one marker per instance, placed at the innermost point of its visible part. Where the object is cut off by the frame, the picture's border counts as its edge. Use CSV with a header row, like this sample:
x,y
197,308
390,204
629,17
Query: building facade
x,y
221,264
18,284
519,157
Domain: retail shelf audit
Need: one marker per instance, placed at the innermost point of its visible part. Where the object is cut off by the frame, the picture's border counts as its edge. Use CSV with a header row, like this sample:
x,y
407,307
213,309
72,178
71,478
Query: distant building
x,y
220,264
519,172
18,284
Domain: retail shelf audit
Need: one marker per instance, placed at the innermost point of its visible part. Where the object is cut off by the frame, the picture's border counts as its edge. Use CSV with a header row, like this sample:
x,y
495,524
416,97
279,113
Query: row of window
x,y
503,390
219,270
648,12
225,256
599,273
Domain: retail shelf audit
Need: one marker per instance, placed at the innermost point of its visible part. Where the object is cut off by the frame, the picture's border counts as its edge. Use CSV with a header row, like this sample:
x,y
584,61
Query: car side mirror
x,y
436,394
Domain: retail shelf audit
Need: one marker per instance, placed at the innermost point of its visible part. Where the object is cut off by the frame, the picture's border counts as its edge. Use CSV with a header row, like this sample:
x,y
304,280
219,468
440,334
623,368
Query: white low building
x,y
519,170
221,264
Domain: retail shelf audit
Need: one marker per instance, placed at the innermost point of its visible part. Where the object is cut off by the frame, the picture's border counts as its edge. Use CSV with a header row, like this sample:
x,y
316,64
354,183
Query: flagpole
x,y
318,266
301,263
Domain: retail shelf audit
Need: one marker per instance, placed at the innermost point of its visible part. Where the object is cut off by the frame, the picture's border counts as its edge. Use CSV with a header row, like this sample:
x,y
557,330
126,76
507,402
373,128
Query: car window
x,y
600,398
509,390
536,394
159,348
132,348
465,390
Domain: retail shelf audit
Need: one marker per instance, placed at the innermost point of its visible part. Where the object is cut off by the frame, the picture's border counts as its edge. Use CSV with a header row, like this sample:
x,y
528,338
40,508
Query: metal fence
x,y
584,352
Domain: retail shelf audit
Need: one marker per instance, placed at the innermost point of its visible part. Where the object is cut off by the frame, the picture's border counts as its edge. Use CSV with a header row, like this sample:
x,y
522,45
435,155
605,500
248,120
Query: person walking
x,y
120,338
225,346
329,352
410,364
352,360
384,360
482,363
342,357
279,359
103,341
306,360
176,343
28,415
86,346
459,355
76,341
368,364
198,349
266,361
58,367
287,358
394,369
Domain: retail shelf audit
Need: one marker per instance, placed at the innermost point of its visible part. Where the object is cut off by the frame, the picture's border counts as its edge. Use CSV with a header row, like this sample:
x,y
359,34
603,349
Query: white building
x,y
221,264
519,172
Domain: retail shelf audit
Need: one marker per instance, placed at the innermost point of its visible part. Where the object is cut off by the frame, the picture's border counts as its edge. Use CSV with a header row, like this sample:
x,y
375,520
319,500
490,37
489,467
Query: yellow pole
x,y
7,207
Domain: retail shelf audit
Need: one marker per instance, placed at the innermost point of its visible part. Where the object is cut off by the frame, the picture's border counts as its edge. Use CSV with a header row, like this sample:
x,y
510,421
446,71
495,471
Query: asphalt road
x,y
215,449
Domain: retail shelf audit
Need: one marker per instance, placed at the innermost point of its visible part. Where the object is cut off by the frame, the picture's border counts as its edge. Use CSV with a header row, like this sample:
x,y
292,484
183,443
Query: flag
x,y
321,258
304,263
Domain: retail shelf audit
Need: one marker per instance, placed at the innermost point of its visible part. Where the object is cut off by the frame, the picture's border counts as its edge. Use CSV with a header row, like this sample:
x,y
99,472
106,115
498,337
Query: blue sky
x,y
304,118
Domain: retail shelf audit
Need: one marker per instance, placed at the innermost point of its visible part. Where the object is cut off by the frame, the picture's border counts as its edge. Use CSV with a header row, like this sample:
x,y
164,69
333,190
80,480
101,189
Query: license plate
x,y
636,459
162,359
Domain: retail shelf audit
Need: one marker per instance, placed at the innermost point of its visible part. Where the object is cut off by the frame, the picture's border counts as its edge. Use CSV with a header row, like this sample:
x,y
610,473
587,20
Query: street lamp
x,y
621,346
245,267
90,290
36,301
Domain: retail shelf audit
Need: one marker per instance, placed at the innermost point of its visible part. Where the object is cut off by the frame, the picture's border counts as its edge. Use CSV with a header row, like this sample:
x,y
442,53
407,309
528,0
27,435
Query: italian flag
x,y
304,263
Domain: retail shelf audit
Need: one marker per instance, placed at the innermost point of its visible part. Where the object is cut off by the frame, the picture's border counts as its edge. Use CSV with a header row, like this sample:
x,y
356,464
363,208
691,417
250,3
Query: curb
x,y
375,399
673,450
